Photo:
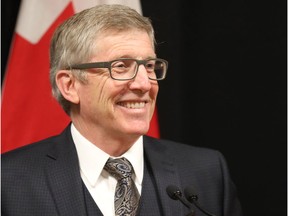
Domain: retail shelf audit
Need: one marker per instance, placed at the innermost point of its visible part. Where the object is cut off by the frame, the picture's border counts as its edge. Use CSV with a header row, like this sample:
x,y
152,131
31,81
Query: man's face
x,y
118,108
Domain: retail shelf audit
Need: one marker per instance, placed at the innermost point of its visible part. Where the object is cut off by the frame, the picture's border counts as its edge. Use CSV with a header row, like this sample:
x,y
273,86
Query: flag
x,y
29,112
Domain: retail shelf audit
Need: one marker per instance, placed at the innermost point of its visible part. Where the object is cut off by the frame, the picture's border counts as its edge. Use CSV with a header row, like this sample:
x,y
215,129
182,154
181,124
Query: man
x,y
105,73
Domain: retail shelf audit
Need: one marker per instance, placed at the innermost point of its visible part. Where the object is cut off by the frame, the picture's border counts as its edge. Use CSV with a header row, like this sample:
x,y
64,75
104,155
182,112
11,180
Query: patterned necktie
x,y
126,195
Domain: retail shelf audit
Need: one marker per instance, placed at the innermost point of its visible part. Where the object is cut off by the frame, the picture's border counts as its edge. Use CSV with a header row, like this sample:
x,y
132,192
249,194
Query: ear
x,y
67,85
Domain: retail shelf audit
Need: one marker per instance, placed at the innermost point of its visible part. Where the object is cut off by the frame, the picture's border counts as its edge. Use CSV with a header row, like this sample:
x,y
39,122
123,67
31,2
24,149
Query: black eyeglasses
x,y
127,68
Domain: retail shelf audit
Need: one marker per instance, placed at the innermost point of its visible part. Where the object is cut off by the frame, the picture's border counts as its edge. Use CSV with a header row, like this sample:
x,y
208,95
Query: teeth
x,y
133,105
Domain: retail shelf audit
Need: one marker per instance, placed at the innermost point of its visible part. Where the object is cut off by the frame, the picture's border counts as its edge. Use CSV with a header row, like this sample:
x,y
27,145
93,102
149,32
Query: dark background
x,y
225,89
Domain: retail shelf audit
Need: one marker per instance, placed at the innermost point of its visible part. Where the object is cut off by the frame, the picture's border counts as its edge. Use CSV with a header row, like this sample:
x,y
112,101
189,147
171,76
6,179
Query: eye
x,y
120,64
150,66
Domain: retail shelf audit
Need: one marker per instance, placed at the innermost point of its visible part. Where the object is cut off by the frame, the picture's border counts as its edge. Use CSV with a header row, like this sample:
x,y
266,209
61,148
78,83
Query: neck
x,y
112,145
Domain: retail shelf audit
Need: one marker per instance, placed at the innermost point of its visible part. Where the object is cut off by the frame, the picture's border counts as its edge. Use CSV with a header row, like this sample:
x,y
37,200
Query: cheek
x,y
154,91
153,95
105,91
89,93
100,93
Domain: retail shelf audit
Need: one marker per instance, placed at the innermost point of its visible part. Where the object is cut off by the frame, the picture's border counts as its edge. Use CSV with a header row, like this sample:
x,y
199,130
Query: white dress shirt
x,y
99,183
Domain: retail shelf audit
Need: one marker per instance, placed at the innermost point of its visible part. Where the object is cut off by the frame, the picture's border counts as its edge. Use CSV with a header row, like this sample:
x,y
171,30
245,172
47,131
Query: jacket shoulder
x,y
33,153
181,148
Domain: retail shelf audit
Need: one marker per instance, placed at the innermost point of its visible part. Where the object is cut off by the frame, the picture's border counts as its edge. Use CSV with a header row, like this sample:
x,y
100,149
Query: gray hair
x,y
73,41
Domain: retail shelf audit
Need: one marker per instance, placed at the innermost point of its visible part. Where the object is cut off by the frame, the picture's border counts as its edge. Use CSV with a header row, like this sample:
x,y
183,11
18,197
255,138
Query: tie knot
x,y
119,168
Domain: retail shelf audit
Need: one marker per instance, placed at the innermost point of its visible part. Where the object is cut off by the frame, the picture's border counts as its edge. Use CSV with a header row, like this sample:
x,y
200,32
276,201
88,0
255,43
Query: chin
x,y
137,131
138,127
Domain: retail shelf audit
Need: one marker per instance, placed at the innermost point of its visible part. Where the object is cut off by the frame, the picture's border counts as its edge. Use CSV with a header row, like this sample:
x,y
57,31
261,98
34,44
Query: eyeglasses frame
x,y
108,65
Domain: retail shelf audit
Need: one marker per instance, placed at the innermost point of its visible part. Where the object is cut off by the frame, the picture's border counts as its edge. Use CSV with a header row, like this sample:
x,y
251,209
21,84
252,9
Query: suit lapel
x,y
63,176
165,173
64,180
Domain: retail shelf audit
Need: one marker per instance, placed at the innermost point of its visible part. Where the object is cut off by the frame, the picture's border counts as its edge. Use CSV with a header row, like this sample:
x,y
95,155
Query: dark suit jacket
x,y
44,178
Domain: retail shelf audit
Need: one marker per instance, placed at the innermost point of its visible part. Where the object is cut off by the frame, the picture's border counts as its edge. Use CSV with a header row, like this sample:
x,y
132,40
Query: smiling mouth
x,y
133,105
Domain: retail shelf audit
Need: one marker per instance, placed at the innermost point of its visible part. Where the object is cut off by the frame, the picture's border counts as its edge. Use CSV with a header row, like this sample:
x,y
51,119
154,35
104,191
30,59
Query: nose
x,y
141,80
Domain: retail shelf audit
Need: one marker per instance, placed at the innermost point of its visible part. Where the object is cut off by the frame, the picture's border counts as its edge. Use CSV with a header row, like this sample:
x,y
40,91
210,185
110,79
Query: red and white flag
x,y
29,112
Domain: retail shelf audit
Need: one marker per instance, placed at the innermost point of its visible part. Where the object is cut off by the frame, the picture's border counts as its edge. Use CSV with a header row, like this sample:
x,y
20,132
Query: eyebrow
x,y
129,56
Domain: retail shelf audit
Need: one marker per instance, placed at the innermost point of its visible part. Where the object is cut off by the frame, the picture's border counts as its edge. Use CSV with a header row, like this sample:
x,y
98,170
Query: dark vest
x,y
149,202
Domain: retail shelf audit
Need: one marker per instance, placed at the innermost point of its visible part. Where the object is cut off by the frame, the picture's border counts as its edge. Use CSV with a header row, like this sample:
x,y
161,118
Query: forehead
x,y
131,43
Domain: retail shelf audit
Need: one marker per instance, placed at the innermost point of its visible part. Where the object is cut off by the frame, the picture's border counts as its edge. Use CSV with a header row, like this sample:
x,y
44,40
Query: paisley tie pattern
x,y
126,195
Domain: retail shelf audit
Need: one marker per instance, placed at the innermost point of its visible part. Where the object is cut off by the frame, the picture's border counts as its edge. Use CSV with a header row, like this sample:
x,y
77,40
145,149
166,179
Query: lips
x,y
133,105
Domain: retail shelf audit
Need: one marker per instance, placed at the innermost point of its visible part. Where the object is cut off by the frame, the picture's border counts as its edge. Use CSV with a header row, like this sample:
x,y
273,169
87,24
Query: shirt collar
x,y
92,159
